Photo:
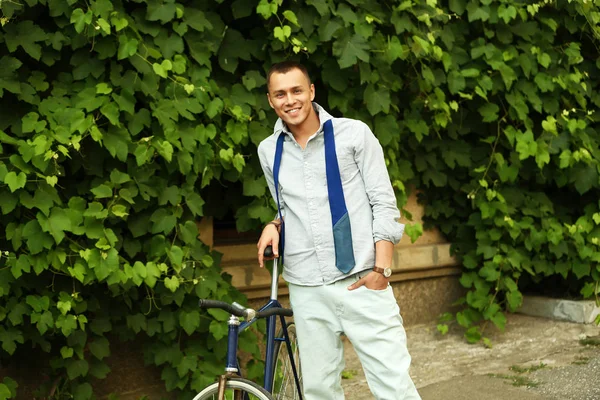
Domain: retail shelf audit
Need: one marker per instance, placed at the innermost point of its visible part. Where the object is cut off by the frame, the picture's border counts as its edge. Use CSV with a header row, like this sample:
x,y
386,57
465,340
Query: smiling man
x,y
339,220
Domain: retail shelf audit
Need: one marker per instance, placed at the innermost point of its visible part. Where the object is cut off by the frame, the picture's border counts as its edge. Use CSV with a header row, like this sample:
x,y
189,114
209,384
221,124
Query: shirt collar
x,y
324,116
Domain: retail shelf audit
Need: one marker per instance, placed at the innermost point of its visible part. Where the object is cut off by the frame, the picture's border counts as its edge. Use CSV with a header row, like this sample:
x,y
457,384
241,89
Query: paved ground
x,y
534,359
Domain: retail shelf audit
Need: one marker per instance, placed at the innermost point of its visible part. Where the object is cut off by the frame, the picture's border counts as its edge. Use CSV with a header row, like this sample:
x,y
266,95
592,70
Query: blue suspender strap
x,y
342,233
276,165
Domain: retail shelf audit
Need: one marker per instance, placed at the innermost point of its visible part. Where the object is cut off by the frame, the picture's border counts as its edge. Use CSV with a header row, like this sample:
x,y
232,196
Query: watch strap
x,y
380,270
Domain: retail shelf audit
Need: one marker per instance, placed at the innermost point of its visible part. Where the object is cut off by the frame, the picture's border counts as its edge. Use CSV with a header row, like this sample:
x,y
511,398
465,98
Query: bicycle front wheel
x,y
284,384
235,389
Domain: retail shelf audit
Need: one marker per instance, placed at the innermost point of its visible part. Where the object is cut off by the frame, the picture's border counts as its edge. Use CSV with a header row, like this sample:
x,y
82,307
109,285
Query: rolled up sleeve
x,y
371,163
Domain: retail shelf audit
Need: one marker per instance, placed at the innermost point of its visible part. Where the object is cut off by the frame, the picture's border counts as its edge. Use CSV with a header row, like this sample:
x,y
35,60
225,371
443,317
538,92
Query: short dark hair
x,y
284,67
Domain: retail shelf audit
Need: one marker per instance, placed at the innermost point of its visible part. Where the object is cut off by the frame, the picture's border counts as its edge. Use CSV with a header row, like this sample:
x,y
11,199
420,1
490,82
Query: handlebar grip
x,y
246,313
203,303
268,251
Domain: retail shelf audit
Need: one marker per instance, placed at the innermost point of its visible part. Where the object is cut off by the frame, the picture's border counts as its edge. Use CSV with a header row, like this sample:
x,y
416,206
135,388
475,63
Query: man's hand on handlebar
x,y
269,237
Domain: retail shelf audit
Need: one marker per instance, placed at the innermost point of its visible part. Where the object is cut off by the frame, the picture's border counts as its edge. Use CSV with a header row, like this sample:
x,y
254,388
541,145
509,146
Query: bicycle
x,y
282,376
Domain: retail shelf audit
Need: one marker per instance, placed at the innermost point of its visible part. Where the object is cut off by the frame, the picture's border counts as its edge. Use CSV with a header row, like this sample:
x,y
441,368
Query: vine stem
x,y
494,148
486,322
474,192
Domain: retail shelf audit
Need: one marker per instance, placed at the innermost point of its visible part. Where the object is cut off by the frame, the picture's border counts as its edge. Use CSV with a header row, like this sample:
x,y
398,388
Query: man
x,y
339,217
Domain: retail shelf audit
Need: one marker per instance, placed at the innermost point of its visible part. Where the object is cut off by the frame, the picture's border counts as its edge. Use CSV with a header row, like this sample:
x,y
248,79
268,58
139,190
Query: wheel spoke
x,y
284,384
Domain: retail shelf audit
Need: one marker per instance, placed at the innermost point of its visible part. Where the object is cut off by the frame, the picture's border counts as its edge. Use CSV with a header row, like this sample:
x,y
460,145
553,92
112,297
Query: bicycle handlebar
x,y
241,311
247,313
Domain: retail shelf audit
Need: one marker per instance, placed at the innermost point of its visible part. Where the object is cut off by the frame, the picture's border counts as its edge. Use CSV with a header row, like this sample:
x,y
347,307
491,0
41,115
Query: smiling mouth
x,y
293,110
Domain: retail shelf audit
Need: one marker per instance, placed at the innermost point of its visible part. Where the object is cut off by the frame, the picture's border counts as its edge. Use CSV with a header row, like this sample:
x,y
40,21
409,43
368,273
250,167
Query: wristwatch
x,y
387,272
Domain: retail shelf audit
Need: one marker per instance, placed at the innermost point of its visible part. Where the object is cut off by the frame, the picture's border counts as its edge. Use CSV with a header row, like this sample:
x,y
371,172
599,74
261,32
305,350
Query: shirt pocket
x,y
346,163
348,166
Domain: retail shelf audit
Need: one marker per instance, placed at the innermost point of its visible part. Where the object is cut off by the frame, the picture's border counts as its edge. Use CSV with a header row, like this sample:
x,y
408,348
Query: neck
x,y
306,129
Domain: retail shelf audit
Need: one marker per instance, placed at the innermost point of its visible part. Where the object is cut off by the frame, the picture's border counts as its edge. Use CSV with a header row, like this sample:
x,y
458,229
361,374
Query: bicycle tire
x,y
233,386
284,385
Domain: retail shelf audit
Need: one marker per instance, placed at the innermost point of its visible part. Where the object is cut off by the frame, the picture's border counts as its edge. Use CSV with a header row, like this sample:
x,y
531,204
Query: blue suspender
x,y
276,166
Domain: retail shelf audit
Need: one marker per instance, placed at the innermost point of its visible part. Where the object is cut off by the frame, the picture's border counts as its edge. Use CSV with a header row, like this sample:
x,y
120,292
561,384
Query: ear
x,y
270,103
312,91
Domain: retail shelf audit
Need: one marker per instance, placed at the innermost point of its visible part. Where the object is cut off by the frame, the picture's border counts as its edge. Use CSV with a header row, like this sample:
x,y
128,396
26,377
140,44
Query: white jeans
x,y
370,319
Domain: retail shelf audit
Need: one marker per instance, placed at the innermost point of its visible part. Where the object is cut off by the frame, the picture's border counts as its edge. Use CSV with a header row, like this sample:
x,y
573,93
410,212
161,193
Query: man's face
x,y
290,95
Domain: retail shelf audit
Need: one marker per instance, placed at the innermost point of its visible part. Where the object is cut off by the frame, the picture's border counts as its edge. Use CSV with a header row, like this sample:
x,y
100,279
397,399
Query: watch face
x,y
387,272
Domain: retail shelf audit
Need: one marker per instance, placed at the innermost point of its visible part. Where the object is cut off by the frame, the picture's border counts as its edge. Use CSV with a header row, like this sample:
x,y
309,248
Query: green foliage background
x,y
123,122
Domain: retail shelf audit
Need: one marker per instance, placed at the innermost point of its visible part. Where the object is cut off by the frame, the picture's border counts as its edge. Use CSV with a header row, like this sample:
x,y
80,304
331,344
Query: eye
x,y
298,91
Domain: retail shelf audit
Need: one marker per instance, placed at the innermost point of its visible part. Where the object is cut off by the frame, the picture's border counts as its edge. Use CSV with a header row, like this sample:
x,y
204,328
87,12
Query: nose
x,y
289,98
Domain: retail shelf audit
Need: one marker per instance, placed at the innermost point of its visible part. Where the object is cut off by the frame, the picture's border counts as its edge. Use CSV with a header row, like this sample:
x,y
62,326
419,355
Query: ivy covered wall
x,y
123,122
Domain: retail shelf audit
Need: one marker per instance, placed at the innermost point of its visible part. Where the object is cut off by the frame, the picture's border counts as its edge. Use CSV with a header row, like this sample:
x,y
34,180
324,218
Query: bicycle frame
x,y
235,327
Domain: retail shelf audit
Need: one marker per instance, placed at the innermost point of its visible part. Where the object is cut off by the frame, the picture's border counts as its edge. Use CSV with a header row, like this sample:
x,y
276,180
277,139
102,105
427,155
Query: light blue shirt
x,y
309,247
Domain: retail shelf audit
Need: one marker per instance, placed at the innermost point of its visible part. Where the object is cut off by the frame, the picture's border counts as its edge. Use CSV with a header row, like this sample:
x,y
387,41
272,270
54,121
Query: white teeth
x,y
293,110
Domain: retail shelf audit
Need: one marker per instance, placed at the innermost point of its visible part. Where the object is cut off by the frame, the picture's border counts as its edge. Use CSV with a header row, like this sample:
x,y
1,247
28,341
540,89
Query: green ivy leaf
x,y
118,178
165,149
26,35
197,20
489,112
526,145
586,177
349,50
163,12
544,60
136,322
172,283
66,352
80,19
195,204
77,368
189,321
5,392
127,47
278,32
189,88
100,348
377,100
102,191
119,210
160,70
456,82
83,391
218,329
15,181
290,16
473,334
514,300
507,12
9,338
266,9
414,231
111,111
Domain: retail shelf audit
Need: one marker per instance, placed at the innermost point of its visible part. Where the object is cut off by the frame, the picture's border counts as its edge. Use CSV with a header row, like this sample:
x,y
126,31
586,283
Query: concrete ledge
x,y
409,263
580,311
